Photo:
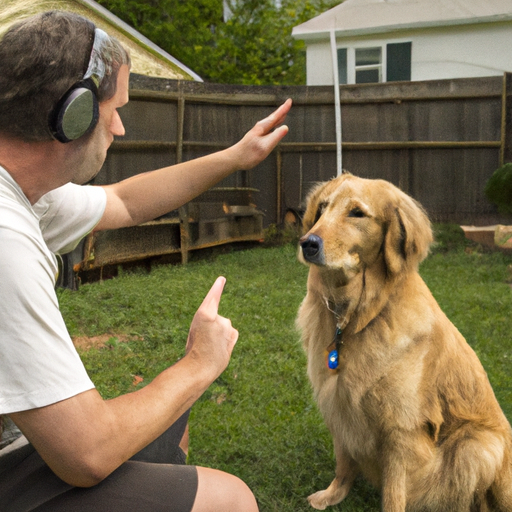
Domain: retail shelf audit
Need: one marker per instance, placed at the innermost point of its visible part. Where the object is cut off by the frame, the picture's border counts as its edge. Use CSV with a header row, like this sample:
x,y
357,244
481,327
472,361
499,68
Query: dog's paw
x,y
319,500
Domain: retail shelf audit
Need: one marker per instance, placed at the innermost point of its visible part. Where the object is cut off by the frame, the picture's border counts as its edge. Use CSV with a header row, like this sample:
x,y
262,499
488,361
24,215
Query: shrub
x,y
498,189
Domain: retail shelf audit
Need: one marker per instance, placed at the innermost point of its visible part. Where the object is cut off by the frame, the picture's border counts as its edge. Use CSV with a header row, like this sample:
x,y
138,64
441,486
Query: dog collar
x,y
333,351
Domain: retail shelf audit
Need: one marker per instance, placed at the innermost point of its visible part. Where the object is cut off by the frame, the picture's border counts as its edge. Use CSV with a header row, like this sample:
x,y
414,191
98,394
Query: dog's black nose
x,y
312,249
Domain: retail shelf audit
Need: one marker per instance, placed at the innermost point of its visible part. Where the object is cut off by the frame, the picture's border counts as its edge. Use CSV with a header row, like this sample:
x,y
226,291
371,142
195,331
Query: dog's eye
x,y
356,212
319,211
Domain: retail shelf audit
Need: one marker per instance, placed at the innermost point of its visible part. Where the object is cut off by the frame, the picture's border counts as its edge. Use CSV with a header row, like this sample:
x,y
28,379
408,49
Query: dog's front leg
x,y
346,472
394,493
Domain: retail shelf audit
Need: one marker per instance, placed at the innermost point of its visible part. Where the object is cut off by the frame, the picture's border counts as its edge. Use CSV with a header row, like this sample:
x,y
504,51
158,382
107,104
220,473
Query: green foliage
x,y
498,189
253,47
278,236
259,420
450,237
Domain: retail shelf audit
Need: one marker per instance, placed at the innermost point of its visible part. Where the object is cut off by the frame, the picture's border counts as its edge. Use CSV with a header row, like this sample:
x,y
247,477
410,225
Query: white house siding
x,y
319,64
460,51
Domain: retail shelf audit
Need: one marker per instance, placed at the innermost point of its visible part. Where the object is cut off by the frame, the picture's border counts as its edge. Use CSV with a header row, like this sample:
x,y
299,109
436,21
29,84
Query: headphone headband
x,y
77,112
96,67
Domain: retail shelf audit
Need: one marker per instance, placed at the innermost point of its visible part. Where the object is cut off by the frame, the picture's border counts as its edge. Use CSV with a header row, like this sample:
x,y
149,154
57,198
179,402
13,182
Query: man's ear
x,y
408,236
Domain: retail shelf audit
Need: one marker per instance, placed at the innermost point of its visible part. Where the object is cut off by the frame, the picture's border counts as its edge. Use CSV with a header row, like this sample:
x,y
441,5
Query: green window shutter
x,y
342,65
398,62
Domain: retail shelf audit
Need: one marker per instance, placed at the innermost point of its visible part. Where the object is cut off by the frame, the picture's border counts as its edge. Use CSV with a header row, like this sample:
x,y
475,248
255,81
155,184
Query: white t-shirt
x,y
38,362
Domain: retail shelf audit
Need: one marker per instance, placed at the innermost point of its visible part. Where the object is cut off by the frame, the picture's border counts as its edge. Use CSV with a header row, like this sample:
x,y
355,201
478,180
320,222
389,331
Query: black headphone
x,y
77,112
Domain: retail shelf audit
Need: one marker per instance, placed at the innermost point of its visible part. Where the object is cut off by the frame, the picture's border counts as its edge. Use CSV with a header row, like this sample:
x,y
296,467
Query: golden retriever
x,y
406,400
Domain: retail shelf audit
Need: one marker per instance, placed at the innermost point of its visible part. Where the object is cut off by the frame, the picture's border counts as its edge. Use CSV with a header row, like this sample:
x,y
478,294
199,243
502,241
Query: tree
x,y
254,46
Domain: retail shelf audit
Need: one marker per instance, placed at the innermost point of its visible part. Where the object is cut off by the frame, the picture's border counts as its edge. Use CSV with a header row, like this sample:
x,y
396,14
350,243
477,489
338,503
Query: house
x,y
147,58
394,40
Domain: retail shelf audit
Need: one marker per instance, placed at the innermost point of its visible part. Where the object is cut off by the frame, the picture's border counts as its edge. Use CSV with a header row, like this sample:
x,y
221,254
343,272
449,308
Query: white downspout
x,y
337,106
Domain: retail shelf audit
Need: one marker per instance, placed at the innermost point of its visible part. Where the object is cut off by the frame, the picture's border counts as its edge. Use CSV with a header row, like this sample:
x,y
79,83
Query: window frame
x,y
378,66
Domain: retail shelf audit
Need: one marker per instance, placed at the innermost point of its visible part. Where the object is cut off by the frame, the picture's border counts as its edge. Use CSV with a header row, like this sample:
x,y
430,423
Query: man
x,y
61,83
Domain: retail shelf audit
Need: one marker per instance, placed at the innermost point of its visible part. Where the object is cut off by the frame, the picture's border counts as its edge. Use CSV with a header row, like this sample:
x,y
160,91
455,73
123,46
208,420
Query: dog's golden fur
x,y
410,406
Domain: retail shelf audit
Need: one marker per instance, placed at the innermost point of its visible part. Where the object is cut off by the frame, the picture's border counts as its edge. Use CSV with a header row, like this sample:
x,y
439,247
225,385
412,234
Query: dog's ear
x,y
408,236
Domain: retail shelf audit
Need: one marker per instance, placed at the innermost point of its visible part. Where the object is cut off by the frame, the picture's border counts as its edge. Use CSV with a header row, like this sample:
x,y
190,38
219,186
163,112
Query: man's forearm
x,y
149,195
83,439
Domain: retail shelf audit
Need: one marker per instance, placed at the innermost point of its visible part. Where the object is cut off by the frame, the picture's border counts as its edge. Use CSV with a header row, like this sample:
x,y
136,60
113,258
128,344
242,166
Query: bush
x,y
499,189
449,237
276,236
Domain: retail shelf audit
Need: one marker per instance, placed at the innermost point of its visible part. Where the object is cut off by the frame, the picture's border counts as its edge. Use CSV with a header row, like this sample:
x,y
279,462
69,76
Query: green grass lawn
x,y
258,420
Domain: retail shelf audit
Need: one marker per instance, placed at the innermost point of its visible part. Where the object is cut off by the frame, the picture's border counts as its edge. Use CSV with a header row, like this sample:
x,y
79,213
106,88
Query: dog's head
x,y
352,224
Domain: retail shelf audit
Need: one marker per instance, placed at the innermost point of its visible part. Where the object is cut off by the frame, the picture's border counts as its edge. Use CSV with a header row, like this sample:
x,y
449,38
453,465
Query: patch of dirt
x,y
87,342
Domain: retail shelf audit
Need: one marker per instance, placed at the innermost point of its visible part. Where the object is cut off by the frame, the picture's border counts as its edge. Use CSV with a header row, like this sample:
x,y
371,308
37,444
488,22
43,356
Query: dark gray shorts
x,y
155,479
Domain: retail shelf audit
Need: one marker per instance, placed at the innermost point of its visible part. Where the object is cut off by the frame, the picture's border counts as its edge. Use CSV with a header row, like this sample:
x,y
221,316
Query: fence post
x,y
183,211
279,163
506,120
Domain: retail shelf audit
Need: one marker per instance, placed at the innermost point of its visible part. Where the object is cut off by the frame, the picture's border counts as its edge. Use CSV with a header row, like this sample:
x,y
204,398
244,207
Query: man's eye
x,y
356,212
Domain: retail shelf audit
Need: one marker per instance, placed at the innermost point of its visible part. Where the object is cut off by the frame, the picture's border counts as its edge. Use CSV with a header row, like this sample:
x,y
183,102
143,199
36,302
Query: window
x,y
365,65
368,65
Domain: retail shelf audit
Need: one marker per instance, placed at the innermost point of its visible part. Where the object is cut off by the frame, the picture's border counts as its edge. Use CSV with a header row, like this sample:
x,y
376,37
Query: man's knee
x,y
217,490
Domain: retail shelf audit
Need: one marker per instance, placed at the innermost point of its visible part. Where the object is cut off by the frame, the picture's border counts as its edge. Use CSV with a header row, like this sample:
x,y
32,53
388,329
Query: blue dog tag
x,y
332,359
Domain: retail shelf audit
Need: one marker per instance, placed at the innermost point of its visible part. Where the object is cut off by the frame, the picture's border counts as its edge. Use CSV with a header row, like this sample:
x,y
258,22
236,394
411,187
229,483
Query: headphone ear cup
x,y
76,113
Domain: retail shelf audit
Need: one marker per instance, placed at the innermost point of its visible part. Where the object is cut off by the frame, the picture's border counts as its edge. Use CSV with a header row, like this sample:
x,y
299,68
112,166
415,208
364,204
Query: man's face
x,y
94,147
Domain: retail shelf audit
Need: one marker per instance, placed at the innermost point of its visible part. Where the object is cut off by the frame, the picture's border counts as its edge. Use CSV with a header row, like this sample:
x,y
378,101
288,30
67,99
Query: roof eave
x,y
312,35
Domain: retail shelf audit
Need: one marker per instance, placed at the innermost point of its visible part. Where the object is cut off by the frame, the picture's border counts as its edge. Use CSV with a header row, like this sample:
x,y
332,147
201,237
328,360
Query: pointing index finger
x,y
212,300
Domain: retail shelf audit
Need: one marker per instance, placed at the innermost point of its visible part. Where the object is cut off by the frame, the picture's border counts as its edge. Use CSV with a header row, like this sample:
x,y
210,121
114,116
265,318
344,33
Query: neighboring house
x,y
392,40
147,58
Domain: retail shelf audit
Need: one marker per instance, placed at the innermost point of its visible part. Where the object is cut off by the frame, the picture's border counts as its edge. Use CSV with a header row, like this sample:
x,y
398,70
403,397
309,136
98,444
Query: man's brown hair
x,y
41,57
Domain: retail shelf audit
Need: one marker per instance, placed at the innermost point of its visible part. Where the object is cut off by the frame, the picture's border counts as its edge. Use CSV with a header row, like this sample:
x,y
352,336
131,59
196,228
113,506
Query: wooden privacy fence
x,y
439,141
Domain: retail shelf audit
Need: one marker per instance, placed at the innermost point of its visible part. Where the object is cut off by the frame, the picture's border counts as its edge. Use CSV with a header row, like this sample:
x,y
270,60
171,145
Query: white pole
x,y
337,106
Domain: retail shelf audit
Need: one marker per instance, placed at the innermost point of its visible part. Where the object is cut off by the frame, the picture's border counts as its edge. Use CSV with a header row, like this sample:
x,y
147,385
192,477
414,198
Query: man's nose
x,y
117,126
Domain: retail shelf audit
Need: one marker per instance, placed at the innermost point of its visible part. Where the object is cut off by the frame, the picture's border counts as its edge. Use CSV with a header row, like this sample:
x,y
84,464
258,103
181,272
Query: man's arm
x,y
84,438
149,195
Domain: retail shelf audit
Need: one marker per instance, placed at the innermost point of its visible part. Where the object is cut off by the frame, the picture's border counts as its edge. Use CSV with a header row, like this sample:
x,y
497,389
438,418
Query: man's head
x,y
41,58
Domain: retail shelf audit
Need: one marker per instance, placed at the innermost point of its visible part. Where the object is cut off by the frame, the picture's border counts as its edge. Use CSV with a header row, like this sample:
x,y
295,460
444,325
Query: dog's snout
x,y
312,249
